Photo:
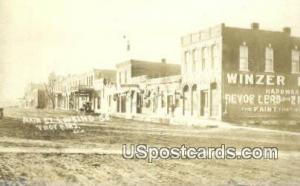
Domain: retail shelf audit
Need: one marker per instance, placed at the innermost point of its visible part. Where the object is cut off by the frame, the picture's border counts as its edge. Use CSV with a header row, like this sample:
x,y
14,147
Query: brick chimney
x,y
255,26
287,30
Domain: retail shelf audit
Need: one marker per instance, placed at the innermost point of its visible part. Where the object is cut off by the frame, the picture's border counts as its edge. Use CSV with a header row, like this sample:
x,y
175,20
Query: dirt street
x,y
94,157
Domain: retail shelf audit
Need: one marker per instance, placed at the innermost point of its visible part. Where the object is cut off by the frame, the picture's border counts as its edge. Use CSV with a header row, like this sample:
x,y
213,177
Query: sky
x,y
72,36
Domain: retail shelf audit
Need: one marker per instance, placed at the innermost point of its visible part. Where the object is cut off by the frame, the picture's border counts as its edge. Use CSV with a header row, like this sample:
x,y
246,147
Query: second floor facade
x,y
209,53
92,79
260,51
128,71
202,55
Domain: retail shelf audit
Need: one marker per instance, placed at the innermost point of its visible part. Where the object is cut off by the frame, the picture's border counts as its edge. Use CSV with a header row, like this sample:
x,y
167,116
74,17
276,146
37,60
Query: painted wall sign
x,y
261,94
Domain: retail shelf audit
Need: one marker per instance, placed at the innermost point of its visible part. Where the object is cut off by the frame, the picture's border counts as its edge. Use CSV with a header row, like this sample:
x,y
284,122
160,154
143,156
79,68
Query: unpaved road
x,y
93,157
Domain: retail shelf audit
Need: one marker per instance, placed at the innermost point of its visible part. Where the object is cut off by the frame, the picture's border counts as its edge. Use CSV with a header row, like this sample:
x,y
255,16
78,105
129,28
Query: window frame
x,y
186,60
269,58
296,59
244,57
214,55
195,55
203,58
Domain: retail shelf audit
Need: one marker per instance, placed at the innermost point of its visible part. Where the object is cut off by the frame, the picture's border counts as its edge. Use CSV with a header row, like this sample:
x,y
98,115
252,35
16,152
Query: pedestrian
x,y
1,113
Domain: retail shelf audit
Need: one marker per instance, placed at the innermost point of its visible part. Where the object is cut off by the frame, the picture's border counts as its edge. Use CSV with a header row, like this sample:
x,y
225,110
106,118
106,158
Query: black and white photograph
x,y
149,92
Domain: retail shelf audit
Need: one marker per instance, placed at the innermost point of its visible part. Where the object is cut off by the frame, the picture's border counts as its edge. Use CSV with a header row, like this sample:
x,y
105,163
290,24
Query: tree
x,y
50,89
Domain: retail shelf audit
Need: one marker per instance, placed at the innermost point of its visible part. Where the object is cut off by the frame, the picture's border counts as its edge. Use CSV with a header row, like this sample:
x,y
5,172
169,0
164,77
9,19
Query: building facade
x,y
226,73
233,73
35,96
73,92
145,87
201,73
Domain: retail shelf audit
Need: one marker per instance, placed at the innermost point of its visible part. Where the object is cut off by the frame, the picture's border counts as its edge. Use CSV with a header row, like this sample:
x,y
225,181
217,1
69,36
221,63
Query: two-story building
x,y
143,87
201,73
72,92
226,73
231,73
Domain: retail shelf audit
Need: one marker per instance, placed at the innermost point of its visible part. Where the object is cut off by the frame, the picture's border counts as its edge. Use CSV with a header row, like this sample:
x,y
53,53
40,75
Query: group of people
x,y
86,108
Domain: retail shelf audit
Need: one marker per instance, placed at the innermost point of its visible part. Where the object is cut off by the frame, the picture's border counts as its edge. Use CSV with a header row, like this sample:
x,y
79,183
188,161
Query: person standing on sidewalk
x,y
1,113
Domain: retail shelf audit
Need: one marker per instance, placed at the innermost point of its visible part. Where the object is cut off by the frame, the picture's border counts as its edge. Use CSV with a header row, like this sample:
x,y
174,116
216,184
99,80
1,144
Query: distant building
x,y
35,96
72,92
233,73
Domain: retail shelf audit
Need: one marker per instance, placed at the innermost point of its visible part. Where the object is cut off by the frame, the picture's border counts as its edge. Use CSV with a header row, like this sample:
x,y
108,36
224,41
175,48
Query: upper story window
x,y
125,74
203,58
195,59
186,60
120,78
92,80
295,60
214,56
269,66
244,57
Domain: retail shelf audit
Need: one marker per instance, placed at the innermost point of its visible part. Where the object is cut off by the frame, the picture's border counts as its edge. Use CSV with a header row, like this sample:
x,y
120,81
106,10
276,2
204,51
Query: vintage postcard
x,y
149,92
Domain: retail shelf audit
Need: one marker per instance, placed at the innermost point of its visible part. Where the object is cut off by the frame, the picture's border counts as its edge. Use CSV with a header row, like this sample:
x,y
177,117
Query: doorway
x,y
204,103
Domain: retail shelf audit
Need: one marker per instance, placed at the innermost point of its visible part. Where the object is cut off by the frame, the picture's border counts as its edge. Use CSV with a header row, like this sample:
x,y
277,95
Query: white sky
x,y
70,36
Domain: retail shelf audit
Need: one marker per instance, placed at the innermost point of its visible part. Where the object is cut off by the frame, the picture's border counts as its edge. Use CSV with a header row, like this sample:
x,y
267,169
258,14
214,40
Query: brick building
x,y
135,68
145,87
231,73
226,73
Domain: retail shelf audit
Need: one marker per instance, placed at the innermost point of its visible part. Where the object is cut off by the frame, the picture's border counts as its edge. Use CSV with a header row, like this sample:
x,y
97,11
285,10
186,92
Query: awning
x,y
130,85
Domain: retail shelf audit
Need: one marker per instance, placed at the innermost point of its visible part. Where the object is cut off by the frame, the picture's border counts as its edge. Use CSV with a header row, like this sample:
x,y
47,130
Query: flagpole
x,y
127,47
